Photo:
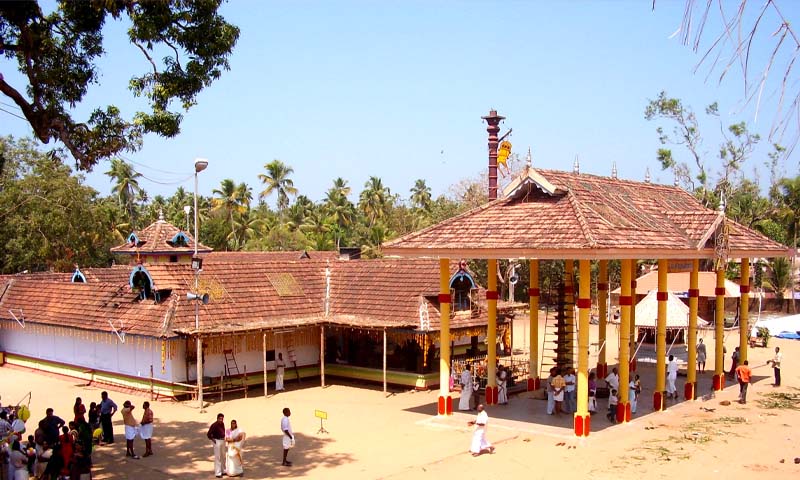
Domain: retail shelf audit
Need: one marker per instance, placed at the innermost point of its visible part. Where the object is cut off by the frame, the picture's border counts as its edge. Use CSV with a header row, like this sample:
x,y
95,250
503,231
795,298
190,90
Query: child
x,y
612,406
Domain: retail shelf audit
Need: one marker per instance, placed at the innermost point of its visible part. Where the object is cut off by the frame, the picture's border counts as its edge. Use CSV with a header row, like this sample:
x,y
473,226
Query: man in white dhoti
x,y
502,390
280,367
288,436
146,429
466,388
672,375
480,444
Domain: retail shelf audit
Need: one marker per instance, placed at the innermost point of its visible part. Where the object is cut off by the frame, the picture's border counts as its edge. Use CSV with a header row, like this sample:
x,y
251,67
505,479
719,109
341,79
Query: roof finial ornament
x,y
721,208
647,175
576,166
675,182
528,158
614,170
160,214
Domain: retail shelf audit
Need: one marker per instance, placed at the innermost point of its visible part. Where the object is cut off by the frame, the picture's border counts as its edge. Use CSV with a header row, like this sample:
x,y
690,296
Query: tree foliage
x,y
57,53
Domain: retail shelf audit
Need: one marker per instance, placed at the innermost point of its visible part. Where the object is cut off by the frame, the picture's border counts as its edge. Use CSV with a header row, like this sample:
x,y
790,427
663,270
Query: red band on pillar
x,y
719,291
633,284
744,288
688,391
602,286
490,295
661,296
568,289
620,414
658,401
441,408
584,303
444,298
533,292
582,425
448,405
625,300
628,412
694,292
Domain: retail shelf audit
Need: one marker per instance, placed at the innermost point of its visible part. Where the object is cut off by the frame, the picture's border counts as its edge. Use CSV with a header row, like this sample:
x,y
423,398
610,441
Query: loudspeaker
x,y
193,296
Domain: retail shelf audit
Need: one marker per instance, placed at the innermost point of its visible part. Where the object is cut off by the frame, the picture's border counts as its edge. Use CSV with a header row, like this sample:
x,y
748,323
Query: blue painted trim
x,y
180,240
133,238
141,269
462,274
78,276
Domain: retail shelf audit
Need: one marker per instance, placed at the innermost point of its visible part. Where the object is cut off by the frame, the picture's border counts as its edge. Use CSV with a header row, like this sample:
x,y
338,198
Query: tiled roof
x,y
586,217
248,257
156,238
264,294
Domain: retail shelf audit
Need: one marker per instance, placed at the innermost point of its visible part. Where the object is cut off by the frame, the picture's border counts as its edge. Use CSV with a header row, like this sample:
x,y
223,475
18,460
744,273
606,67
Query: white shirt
x,y
570,379
776,361
672,368
286,425
482,420
613,380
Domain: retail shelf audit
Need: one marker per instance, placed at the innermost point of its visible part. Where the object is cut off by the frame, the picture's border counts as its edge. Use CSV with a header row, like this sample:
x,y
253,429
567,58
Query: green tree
x,y
232,201
780,279
374,199
340,210
126,186
277,181
57,53
421,196
48,218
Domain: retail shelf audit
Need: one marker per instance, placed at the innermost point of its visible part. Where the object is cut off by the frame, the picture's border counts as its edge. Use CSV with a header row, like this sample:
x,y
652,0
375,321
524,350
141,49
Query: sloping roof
x,y
586,217
678,282
156,238
248,257
677,312
263,294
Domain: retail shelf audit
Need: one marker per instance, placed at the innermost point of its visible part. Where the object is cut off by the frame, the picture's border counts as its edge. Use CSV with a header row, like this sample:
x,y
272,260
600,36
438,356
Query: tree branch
x,y
149,58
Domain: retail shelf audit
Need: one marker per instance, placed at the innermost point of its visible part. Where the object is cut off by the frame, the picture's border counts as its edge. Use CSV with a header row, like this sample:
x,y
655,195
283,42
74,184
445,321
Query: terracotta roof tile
x,y
156,238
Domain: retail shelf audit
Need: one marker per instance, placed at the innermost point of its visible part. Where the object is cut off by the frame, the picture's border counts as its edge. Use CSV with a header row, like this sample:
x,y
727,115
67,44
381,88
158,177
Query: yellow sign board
x,y
321,415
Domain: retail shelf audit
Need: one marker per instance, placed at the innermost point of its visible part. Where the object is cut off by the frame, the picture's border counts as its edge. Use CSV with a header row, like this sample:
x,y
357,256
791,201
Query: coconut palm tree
x,y
277,181
374,200
126,187
421,195
339,208
231,201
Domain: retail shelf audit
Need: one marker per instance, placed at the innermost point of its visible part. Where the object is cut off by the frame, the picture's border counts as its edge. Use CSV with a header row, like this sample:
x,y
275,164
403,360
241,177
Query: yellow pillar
x,y
581,418
690,389
719,332
661,337
632,326
626,305
624,404
445,404
744,306
491,333
602,312
533,299
569,313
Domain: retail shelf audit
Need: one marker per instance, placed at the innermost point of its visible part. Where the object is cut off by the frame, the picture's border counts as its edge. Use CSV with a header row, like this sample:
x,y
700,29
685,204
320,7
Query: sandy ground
x,y
372,435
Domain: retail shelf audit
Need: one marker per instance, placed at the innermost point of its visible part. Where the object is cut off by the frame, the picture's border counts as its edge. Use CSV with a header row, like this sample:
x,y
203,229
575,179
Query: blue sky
x,y
397,89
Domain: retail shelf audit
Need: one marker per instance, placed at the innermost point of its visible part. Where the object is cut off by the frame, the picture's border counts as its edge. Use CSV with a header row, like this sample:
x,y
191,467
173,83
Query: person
x,y
288,436
480,444
18,461
551,403
734,361
776,366
79,409
637,389
753,336
43,457
559,385
466,388
130,428
502,391
146,429
216,433
94,416
570,393
52,424
67,443
701,356
233,457
672,375
280,367
5,426
612,406
107,409
612,379
592,393
743,376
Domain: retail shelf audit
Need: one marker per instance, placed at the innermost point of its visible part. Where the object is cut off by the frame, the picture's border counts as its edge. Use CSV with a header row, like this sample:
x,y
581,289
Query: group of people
x,y
229,445
561,391
469,381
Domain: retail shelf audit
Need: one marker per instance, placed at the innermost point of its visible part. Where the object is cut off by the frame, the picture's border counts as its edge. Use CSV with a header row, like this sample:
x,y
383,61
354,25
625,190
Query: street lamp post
x,y
200,164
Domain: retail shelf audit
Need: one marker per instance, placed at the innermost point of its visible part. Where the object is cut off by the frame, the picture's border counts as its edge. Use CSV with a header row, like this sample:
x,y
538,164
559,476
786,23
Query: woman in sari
x,y
79,410
234,438
18,461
